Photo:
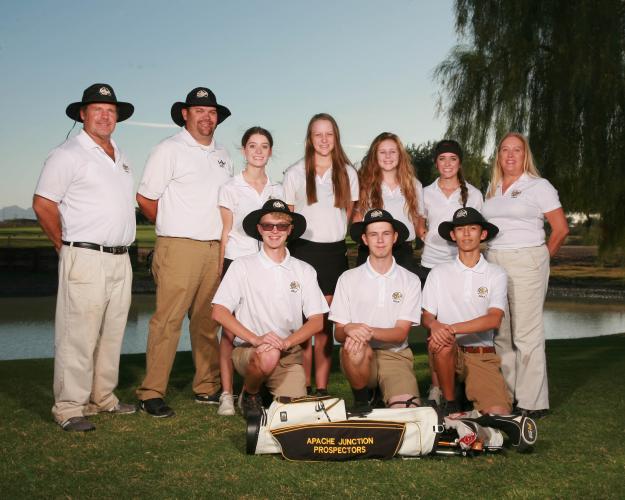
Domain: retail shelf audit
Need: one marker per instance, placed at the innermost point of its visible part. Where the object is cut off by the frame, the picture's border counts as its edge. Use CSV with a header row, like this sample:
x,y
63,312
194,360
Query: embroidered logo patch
x,y
104,91
397,296
201,93
482,292
515,193
294,286
126,168
375,214
222,163
461,213
278,204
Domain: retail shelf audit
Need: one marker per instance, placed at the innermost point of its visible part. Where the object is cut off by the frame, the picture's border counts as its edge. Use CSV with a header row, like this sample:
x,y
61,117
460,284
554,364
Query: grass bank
x,y
580,451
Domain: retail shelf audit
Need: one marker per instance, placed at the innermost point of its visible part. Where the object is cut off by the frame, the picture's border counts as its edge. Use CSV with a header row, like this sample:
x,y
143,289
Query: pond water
x,y
27,324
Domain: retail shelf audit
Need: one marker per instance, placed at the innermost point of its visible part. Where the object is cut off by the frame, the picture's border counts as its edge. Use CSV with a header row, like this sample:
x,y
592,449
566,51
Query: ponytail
x,y
464,192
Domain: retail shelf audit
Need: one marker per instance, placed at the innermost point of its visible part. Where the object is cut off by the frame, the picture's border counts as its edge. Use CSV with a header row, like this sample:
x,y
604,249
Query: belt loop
x,y
71,244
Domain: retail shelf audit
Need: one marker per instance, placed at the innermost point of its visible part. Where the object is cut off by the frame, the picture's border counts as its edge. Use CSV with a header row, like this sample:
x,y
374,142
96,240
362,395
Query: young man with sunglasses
x,y
262,299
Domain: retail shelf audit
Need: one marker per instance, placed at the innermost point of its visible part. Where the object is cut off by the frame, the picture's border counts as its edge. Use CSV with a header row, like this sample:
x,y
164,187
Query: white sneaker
x,y
226,404
435,394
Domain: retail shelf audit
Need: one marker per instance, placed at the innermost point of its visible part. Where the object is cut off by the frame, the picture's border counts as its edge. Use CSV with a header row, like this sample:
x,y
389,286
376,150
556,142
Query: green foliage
x,y
198,454
555,70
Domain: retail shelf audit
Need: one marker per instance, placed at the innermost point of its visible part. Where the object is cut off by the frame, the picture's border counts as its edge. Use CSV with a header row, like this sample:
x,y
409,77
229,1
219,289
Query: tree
x,y
554,70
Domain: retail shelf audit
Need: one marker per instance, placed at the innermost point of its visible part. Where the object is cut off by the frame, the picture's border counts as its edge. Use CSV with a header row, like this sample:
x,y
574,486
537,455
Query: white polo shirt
x,y
454,293
519,213
241,199
324,222
95,194
440,208
379,300
269,297
185,176
395,203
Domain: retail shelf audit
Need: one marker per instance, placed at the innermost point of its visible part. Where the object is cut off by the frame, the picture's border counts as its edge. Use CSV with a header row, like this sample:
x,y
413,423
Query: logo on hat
x,y
104,91
397,296
294,286
482,292
375,214
278,204
515,193
461,213
201,93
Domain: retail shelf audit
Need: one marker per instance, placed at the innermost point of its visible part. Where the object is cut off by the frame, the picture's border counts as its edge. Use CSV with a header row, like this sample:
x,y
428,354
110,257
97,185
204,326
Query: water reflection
x,y
27,324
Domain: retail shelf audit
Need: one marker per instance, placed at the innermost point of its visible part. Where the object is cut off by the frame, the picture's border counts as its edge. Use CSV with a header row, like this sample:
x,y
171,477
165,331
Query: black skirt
x,y
328,259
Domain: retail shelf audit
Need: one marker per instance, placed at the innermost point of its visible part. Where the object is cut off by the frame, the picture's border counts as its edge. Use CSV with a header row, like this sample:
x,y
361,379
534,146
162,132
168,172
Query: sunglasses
x,y
280,227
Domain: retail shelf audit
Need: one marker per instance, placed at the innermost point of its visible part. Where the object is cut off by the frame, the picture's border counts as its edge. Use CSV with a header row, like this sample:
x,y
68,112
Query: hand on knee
x,y
268,360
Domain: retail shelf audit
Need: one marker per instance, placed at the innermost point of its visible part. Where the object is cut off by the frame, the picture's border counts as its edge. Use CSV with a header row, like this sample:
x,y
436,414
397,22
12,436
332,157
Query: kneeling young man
x,y
373,308
261,300
463,304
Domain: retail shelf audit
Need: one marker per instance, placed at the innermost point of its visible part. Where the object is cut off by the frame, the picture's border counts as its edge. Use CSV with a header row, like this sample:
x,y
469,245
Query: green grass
x,y
580,451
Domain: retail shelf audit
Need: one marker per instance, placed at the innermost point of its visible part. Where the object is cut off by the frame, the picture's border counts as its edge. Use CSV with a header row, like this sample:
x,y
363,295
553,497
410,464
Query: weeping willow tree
x,y
554,70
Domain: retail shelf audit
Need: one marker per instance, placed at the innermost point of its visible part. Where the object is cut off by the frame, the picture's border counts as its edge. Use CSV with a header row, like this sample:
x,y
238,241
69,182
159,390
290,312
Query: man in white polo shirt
x,y
463,303
84,203
373,309
179,190
261,300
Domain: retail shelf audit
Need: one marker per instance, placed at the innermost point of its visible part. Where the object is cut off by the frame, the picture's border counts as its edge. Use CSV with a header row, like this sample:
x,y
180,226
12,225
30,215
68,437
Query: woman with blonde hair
x,y
387,180
518,201
323,187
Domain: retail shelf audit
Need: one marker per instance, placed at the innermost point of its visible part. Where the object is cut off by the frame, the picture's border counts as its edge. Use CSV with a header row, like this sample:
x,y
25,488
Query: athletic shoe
x,y
521,430
450,407
208,399
435,395
360,408
533,414
119,409
156,407
320,393
77,424
226,404
250,404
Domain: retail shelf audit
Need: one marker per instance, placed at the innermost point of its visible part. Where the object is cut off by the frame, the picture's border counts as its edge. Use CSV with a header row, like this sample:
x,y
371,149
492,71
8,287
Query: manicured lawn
x,y
580,451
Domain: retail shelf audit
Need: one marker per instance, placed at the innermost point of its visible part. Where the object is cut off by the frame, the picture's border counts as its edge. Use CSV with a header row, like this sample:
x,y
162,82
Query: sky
x,y
274,63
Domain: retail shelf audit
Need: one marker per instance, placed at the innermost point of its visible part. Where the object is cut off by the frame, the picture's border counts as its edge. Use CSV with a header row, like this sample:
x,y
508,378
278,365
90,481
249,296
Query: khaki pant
x,y
521,339
185,272
287,379
91,312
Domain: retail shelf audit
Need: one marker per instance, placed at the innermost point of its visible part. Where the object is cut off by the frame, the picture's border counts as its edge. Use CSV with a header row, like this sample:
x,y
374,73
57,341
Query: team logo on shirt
x,y
222,163
482,292
294,286
104,91
375,213
461,213
397,296
126,168
515,193
201,93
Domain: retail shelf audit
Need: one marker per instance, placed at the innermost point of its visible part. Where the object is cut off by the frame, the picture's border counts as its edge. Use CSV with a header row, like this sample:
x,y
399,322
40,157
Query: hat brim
x,y
177,107
124,110
358,228
445,229
251,220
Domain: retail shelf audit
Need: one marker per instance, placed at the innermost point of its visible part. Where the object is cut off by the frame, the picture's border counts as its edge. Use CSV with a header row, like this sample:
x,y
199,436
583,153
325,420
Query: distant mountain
x,y
15,212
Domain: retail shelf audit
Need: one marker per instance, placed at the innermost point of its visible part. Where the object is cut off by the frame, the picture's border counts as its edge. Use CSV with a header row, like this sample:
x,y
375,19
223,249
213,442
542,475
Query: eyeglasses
x,y
280,227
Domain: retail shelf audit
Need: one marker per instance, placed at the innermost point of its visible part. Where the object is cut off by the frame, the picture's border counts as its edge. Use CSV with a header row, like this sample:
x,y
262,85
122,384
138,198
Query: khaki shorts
x,y
484,383
287,379
393,372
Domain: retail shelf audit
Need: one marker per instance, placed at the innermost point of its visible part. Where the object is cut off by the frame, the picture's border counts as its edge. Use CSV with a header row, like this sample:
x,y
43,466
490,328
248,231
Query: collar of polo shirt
x,y
190,141
480,267
374,274
88,143
267,263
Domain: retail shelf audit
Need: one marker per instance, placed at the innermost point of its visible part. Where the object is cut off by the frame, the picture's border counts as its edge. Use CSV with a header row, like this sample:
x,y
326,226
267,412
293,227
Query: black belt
x,y
95,246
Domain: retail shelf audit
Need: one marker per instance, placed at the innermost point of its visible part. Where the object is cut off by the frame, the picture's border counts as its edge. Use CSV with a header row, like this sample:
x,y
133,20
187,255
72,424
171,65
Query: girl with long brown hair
x,y
387,180
323,187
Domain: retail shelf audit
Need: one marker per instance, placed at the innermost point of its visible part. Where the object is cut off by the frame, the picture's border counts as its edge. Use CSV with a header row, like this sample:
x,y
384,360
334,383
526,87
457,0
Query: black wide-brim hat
x,y
100,92
199,96
465,217
251,220
378,215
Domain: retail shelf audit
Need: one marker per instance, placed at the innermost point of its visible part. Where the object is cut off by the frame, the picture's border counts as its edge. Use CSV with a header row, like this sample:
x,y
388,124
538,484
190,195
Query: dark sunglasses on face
x,y
280,227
